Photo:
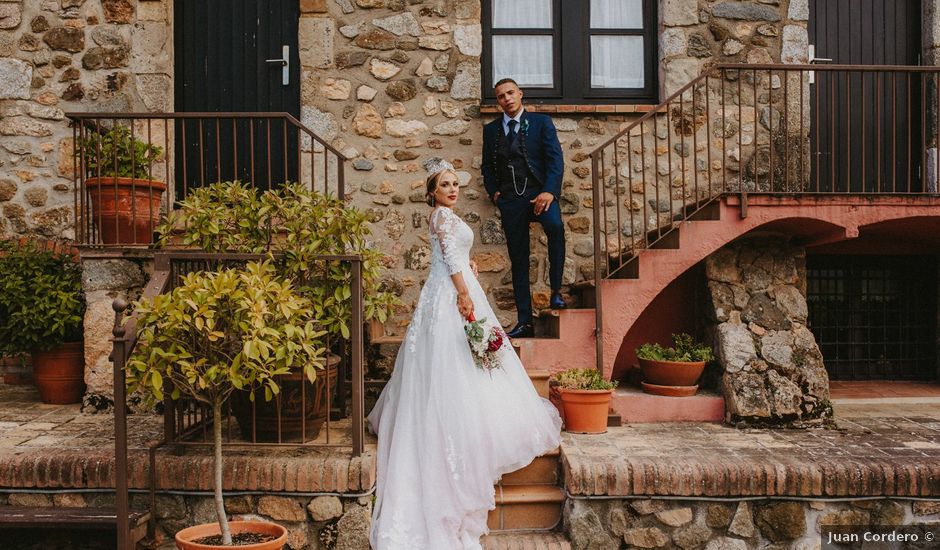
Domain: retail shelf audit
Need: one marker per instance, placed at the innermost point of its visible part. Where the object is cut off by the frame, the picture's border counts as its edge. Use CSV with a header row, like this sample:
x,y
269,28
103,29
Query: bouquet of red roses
x,y
485,341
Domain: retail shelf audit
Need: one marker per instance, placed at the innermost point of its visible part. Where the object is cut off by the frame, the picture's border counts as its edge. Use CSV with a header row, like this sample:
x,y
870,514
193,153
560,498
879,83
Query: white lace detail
x,y
399,537
450,232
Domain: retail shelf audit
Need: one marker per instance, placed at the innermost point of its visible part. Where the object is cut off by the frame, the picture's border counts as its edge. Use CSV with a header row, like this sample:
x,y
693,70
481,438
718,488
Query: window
x,y
572,51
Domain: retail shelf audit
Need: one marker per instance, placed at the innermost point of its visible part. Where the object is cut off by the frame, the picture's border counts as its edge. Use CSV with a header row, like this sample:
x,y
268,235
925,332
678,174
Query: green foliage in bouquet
x,y
41,299
583,379
117,153
685,350
297,224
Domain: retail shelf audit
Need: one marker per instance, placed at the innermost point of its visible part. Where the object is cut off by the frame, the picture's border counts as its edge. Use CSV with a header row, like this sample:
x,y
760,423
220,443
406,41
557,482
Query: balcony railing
x,y
181,151
769,129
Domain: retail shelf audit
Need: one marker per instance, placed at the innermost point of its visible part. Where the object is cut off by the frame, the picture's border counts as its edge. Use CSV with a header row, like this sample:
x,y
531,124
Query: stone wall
x,y
70,55
395,82
105,280
728,525
772,369
313,523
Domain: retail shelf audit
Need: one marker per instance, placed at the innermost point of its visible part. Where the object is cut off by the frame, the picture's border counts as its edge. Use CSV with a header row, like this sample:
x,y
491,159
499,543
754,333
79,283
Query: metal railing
x,y
188,423
120,197
768,129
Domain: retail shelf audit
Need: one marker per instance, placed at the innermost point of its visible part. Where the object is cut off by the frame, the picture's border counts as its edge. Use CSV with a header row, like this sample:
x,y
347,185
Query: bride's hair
x,y
432,185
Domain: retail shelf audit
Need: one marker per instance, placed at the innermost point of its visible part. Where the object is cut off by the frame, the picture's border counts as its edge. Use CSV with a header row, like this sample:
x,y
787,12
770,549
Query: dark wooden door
x,y
874,317
867,128
223,48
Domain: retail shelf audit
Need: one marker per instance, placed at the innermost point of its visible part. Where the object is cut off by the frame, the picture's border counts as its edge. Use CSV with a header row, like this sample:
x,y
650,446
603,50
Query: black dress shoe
x,y
557,302
522,330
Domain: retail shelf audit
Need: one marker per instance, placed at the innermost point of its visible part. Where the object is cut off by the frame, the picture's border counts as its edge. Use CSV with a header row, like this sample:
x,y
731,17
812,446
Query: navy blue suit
x,y
537,165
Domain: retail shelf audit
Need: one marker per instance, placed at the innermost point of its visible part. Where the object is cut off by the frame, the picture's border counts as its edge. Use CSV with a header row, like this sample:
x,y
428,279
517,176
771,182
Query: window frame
x,y
571,62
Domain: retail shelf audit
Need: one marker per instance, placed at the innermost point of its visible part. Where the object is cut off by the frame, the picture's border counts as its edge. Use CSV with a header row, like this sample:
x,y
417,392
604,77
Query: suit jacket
x,y
543,152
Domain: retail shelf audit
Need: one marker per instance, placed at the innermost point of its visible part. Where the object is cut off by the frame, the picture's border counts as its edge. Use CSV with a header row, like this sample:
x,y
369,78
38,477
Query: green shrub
x,y
116,153
41,299
583,379
685,350
297,223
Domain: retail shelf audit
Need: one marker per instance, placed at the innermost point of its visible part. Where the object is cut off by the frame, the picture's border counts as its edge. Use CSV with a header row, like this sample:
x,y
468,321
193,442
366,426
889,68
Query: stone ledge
x,y
702,460
288,470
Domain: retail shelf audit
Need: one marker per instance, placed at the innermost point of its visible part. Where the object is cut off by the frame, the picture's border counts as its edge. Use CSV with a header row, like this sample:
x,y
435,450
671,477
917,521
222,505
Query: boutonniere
x,y
525,125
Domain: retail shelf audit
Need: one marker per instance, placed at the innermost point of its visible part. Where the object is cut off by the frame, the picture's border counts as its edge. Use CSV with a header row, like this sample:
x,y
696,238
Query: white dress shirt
x,y
517,118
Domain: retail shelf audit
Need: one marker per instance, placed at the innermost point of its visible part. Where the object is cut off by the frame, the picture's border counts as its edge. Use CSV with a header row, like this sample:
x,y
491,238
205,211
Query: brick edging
x,y
740,476
319,472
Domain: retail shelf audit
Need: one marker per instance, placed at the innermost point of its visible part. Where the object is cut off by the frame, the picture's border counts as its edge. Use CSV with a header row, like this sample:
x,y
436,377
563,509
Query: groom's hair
x,y
505,81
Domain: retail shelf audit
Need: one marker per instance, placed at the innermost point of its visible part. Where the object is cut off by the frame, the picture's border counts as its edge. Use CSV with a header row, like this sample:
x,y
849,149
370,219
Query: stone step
x,y
525,540
542,471
636,407
527,507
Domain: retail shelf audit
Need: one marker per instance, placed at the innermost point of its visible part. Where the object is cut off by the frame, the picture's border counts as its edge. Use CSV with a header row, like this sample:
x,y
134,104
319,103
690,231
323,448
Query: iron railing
x,y
187,423
181,151
769,129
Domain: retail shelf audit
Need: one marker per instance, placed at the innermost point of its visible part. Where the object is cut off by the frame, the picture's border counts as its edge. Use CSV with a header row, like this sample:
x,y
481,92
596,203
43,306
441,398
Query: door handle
x,y
813,59
284,62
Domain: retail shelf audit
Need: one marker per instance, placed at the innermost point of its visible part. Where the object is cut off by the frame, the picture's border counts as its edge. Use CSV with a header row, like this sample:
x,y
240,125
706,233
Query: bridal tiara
x,y
435,165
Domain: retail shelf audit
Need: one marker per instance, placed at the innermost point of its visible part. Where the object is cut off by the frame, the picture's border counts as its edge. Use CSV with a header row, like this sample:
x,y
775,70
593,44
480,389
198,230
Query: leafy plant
x,y
685,350
41,299
217,332
117,153
298,225
583,379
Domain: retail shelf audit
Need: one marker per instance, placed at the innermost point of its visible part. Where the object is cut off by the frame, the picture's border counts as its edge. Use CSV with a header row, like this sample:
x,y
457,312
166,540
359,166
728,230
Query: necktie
x,y
512,130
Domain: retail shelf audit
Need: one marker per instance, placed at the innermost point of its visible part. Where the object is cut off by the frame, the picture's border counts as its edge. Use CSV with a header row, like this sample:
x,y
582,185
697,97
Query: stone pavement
x,y
58,447
882,448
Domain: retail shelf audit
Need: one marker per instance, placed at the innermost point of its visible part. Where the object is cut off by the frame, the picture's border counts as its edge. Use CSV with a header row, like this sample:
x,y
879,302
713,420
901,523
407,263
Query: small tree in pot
x,y
217,332
41,310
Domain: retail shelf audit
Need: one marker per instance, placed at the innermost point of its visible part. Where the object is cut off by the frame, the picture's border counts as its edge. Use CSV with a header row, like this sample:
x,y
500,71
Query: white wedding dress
x,y
446,429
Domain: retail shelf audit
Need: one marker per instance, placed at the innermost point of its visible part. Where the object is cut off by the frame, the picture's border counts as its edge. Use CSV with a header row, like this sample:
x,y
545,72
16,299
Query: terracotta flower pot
x,y
299,399
59,373
126,210
671,373
586,410
185,536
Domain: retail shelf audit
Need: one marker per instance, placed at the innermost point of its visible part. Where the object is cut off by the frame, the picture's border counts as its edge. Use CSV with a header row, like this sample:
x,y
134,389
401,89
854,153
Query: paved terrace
x,y
876,449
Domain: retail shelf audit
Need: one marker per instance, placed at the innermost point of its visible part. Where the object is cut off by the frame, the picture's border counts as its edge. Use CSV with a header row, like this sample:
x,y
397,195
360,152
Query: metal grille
x,y
874,317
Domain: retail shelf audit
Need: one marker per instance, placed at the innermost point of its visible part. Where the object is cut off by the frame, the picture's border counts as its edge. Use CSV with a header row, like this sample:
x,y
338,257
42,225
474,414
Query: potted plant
x,y
673,371
125,201
215,334
41,310
297,225
585,397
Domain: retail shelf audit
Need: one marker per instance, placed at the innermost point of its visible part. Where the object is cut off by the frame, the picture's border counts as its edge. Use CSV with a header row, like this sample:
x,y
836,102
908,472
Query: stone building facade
x,y
389,83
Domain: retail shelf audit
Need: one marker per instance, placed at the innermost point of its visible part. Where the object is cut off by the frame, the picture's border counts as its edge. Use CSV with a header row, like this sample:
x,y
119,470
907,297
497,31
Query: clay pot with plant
x,y
125,200
297,226
42,306
585,396
215,334
673,371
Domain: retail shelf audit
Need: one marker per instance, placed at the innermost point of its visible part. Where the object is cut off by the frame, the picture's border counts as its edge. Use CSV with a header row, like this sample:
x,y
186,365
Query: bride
x,y
447,430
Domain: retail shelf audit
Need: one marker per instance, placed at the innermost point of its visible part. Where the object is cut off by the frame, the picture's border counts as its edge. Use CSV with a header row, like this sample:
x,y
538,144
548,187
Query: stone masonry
x,y
772,369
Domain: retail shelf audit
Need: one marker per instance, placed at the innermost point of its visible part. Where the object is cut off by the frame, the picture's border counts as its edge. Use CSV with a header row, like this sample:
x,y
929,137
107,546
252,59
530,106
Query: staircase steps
x,y
526,540
636,407
534,507
542,471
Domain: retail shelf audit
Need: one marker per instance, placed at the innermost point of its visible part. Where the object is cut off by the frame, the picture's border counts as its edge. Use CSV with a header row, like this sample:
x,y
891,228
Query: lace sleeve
x,y
444,227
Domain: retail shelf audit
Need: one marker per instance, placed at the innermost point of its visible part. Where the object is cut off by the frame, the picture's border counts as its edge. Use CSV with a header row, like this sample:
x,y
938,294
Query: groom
x,y
522,171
